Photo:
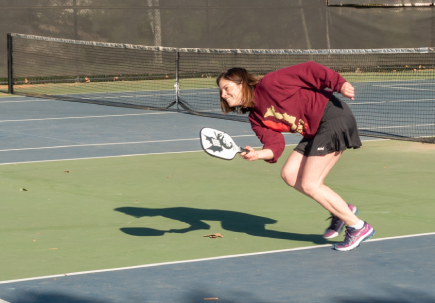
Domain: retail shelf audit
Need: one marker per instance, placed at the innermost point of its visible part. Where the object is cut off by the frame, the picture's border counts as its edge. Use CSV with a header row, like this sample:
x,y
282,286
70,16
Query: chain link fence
x,y
235,24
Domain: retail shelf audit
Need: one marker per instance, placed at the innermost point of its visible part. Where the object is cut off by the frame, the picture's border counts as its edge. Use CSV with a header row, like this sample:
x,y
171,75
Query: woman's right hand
x,y
251,156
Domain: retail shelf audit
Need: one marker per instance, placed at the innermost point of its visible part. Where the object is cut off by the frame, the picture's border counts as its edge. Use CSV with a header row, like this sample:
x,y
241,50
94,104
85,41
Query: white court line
x,y
132,155
88,158
392,101
418,84
404,84
3,301
352,103
117,97
395,87
118,143
145,92
137,96
203,259
106,144
398,126
88,117
208,93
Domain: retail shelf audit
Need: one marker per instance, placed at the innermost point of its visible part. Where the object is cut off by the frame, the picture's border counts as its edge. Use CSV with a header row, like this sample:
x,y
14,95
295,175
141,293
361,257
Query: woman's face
x,y
231,92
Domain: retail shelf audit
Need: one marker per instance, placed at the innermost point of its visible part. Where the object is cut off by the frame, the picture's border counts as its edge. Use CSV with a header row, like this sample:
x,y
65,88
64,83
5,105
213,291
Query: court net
x,y
395,88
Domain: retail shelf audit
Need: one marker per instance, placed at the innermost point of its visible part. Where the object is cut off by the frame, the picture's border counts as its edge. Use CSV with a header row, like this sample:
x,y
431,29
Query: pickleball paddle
x,y
219,144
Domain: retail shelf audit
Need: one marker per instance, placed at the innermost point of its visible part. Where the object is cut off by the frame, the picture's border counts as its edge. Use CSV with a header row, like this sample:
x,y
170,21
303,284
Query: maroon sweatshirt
x,y
291,99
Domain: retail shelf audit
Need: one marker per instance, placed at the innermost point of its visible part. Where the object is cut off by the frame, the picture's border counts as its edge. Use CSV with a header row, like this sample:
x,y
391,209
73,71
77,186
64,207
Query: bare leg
x,y
306,174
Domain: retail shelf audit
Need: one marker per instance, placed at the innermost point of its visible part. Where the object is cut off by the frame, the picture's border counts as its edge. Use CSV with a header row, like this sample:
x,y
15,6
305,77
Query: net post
x,y
10,69
177,79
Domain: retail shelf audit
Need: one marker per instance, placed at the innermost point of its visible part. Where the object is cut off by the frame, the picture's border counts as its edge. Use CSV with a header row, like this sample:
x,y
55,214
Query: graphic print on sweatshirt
x,y
300,127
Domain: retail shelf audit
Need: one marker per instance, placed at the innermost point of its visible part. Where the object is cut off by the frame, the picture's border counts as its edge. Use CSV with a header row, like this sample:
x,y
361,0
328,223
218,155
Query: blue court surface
x,y
389,270
42,130
399,269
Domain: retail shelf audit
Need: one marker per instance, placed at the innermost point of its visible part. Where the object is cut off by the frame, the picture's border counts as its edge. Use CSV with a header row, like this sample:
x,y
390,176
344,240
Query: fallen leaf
x,y
211,299
216,235
67,171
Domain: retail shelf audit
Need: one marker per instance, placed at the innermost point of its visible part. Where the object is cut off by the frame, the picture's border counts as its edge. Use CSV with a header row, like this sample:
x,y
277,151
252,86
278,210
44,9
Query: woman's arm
x,y
264,154
272,141
310,75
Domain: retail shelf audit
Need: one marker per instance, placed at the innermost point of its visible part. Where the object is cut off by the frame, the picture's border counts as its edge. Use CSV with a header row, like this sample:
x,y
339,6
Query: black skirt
x,y
337,131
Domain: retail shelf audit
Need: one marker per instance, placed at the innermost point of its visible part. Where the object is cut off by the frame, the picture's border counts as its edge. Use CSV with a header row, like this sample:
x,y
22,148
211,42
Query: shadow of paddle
x,y
194,217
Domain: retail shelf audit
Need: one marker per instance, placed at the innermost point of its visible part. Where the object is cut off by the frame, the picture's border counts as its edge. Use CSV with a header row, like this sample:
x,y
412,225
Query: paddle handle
x,y
244,150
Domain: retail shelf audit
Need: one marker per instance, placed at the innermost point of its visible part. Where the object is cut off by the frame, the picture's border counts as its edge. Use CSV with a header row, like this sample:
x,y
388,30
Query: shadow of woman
x,y
230,220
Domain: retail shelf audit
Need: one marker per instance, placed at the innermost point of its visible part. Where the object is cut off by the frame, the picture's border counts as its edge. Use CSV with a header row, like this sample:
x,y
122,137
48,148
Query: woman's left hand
x,y
347,90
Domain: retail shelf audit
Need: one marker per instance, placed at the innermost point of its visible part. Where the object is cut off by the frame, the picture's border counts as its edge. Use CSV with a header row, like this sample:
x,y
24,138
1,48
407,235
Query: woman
x,y
294,99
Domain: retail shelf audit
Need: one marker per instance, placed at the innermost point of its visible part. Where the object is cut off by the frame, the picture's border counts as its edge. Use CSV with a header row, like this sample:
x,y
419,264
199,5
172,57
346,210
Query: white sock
x,y
359,225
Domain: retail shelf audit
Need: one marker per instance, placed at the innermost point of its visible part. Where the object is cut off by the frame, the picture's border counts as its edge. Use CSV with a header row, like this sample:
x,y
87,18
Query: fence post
x,y
10,69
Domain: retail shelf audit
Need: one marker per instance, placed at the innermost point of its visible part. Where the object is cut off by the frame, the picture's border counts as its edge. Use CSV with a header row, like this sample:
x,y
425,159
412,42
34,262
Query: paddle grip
x,y
245,150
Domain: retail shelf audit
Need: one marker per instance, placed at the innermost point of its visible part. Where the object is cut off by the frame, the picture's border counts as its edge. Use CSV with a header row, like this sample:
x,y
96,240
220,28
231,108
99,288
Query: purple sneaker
x,y
354,237
337,225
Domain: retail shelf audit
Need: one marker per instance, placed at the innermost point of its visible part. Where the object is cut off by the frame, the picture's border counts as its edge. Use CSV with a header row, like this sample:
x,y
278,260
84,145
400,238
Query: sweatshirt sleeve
x,y
310,75
269,138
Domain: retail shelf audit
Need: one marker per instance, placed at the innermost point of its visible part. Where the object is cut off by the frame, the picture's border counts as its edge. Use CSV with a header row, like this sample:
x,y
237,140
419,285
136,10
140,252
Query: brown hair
x,y
239,75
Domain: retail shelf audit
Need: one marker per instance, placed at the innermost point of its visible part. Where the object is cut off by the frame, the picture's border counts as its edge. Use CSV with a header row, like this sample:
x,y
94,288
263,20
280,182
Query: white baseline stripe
x,y
204,259
106,144
117,143
88,117
132,155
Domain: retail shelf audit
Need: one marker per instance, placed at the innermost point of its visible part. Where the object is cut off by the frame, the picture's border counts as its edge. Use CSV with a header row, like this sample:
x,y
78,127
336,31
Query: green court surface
x,y
78,215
